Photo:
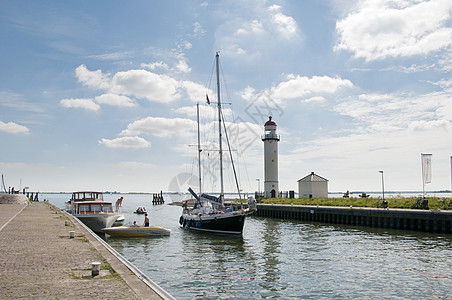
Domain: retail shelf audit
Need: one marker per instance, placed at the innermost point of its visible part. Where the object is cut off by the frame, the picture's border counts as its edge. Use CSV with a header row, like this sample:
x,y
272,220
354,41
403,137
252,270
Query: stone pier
x,y
39,260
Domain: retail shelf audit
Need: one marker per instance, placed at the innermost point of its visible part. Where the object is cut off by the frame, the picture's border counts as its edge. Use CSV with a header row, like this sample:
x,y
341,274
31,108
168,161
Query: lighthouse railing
x,y
270,136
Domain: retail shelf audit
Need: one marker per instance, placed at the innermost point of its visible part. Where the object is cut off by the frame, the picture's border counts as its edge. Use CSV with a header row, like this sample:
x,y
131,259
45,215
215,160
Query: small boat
x,y
140,210
132,231
92,210
119,221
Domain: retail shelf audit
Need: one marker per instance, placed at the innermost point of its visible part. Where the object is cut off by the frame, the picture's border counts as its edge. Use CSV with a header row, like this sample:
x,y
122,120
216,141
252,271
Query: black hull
x,y
221,223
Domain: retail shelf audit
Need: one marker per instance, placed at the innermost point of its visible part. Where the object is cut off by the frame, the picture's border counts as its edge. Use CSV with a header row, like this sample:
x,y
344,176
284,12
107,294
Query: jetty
x,y
157,199
49,254
439,221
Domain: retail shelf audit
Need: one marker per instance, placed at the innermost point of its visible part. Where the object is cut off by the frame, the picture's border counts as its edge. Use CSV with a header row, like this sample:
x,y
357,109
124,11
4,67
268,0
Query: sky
x,y
101,95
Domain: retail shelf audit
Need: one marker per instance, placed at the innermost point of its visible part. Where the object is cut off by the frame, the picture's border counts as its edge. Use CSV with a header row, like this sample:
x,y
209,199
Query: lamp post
x,y
258,186
382,185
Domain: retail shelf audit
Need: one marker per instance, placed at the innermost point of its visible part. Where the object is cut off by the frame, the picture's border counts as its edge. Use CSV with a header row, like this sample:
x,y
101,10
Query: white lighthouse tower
x,y
270,139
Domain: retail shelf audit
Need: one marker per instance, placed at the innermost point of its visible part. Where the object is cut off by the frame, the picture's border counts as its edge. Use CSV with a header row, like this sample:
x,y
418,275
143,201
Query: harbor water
x,y
284,259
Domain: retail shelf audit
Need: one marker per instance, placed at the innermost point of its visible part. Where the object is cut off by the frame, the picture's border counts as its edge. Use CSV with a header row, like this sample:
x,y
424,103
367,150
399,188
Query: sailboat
x,y
209,213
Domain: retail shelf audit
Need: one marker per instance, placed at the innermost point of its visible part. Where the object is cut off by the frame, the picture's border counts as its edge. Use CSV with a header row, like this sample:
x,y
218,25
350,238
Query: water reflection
x,y
270,282
289,259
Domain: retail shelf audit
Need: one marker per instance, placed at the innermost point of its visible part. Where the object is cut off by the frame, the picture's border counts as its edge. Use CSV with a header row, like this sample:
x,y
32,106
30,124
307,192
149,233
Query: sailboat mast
x,y
219,129
199,149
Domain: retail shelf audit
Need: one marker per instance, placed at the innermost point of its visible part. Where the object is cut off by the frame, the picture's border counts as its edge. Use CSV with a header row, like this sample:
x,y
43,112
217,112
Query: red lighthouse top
x,y
270,122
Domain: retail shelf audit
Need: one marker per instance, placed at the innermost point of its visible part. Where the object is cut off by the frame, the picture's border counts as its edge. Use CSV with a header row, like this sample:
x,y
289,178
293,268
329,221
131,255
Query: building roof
x,y
313,177
270,122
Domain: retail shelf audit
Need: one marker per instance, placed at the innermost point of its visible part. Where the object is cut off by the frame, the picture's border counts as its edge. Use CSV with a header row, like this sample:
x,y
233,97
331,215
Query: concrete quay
x,y
400,219
39,260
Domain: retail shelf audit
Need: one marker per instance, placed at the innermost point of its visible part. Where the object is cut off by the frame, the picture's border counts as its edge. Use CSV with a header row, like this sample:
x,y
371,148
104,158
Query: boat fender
x,y
181,219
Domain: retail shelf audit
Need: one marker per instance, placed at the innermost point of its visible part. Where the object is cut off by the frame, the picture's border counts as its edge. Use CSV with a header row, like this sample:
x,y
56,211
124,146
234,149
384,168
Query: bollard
x,y
71,234
95,268
66,223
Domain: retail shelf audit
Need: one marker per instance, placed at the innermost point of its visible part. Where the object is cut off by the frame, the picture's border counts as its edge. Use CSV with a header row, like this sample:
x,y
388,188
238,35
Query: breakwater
x,y
403,219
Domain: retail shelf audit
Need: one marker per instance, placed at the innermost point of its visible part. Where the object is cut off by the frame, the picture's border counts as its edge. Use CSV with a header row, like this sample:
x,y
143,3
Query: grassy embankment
x,y
400,202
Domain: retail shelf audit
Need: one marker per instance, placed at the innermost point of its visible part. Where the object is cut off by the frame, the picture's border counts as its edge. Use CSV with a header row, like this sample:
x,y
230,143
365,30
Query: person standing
x,y
119,203
146,220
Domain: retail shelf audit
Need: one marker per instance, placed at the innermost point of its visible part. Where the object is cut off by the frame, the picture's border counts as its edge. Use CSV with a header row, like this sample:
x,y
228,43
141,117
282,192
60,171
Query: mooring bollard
x,y
71,234
95,268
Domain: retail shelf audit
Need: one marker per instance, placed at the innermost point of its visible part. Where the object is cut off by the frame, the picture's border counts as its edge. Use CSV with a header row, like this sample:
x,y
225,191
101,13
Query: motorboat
x,y
92,210
119,221
134,231
140,210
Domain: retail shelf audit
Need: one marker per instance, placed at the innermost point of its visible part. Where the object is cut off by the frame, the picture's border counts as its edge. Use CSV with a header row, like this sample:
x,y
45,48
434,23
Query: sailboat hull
x,y
227,223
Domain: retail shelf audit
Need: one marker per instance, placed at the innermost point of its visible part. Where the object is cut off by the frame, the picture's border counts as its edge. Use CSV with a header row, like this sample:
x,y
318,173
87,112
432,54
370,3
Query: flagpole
x,y
423,181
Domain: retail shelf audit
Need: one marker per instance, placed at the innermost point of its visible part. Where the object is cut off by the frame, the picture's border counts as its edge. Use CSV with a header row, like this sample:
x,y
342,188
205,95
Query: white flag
x,y
426,167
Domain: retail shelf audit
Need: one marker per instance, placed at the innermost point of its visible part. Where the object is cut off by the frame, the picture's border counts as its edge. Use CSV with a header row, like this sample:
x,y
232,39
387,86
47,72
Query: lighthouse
x,y
270,139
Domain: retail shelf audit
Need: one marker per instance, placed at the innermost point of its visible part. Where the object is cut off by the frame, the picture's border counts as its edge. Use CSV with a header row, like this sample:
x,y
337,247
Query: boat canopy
x,y
87,196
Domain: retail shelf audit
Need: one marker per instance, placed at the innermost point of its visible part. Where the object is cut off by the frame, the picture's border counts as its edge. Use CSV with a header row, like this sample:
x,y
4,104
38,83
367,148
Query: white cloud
x,y
13,128
141,84
93,79
251,28
248,93
155,65
259,30
316,99
125,142
160,127
111,56
285,25
388,28
196,92
115,100
182,65
445,61
198,30
145,84
395,112
185,45
427,125
87,104
412,69
207,112
300,86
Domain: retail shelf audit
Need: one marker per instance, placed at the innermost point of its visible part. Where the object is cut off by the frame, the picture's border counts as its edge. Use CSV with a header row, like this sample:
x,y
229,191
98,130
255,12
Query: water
x,y
285,259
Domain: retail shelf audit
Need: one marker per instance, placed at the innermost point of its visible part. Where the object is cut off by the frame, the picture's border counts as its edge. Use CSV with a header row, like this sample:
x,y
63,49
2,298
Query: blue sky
x,y
102,94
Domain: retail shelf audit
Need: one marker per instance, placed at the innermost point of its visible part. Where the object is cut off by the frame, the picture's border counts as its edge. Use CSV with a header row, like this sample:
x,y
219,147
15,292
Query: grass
x,y
398,202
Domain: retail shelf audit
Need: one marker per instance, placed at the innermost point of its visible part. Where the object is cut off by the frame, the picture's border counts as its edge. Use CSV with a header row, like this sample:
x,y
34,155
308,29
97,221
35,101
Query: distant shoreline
x,y
252,193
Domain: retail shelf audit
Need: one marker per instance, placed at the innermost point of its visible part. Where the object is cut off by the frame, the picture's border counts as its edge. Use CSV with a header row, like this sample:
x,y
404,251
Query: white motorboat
x,y
92,210
131,231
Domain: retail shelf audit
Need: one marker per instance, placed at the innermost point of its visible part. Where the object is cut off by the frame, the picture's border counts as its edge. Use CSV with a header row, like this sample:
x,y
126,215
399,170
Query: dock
x,y
437,221
40,260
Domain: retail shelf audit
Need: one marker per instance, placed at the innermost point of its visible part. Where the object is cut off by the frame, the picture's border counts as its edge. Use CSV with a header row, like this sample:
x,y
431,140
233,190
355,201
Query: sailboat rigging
x,y
209,213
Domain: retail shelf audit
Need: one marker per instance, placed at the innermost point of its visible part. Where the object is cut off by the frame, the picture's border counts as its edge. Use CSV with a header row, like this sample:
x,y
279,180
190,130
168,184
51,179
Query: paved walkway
x,y
39,261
